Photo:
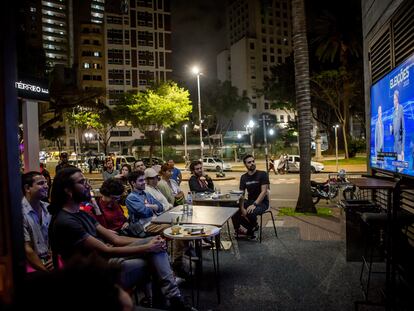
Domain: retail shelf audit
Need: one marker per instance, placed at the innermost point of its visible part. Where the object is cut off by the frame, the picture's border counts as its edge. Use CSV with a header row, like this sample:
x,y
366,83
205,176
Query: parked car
x,y
155,161
120,160
82,165
294,164
215,164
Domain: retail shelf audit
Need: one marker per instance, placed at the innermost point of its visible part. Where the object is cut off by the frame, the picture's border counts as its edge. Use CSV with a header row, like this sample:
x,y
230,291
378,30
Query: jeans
x,y
250,220
136,270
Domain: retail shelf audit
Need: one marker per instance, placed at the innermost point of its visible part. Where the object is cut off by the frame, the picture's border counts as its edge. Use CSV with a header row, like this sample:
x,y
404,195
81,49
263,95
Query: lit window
x,y
96,54
86,65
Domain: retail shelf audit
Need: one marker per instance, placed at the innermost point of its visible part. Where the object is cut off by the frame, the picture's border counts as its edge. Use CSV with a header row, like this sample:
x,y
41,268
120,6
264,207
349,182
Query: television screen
x,y
392,120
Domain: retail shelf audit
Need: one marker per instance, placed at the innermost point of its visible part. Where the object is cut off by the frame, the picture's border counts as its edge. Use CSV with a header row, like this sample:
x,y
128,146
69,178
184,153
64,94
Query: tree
x,y
101,120
328,88
156,108
279,88
220,101
303,104
338,38
54,134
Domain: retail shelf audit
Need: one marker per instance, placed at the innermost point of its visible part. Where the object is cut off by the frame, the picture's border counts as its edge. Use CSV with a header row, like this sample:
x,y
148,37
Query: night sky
x,y
198,35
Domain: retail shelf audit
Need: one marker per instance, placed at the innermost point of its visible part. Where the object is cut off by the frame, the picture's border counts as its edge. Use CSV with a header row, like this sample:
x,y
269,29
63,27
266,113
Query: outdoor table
x,y
202,215
374,184
224,200
210,232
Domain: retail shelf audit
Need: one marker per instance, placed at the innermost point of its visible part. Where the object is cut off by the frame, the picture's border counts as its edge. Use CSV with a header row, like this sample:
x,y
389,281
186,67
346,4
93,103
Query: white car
x,y
215,164
294,163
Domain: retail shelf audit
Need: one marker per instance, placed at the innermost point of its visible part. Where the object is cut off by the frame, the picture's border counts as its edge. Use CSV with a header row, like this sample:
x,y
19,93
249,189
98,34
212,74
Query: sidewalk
x,y
303,269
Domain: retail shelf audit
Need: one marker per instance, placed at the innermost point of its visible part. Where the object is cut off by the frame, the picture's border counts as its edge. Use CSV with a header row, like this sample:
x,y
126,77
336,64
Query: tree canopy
x,y
158,107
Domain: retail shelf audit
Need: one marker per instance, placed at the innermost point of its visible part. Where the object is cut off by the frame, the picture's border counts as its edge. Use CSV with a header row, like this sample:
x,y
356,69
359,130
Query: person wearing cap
x,y
63,163
141,205
151,180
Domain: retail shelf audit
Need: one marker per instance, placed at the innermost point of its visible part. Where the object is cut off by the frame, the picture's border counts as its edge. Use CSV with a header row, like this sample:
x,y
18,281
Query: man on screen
x,y
397,128
379,132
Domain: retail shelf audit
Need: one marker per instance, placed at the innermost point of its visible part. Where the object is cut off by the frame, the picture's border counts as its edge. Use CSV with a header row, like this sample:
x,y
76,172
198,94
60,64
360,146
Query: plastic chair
x,y
261,223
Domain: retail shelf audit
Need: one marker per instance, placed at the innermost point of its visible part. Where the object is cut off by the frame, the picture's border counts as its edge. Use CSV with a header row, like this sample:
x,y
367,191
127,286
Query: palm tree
x,y
303,104
338,38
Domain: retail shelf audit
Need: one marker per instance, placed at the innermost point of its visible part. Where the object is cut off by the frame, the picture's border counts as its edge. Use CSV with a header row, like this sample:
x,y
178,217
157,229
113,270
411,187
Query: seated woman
x,y
169,187
123,178
109,213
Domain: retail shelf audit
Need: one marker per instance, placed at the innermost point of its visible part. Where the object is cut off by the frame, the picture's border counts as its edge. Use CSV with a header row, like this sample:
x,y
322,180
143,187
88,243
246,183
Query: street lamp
x,y
162,146
249,127
264,119
336,144
271,132
185,143
88,137
197,72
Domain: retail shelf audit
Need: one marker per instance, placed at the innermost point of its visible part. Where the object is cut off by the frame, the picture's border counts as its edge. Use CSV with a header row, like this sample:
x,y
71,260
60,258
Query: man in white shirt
x,y
36,220
151,180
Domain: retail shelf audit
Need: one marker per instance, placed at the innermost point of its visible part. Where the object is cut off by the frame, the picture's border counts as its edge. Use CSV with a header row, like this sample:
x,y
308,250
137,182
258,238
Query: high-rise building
x,y
57,31
259,36
137,36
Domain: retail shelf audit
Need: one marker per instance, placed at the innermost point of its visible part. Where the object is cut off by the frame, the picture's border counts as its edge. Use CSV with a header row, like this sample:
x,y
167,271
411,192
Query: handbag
x,y
135,230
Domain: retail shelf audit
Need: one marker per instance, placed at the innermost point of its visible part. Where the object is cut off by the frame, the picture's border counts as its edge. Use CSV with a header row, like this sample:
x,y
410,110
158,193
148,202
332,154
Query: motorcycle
x,y
323,190
329,190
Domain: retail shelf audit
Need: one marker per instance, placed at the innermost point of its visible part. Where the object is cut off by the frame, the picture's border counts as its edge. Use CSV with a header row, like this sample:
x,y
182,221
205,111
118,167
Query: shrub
x,y
356,145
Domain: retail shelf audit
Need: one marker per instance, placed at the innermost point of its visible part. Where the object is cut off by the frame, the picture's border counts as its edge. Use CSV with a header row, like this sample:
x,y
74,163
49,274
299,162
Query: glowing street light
x,y
249,128
195,70
185,143
336,126
162,146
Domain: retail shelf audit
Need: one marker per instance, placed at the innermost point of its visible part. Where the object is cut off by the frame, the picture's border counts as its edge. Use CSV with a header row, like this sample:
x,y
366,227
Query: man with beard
x,y
257,185
139,166
74,232
199,181
36,220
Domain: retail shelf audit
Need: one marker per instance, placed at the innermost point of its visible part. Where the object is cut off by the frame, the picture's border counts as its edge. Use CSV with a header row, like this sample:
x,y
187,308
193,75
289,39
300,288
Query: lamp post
x,y
249,127
88,137
197,72
162,146
264,119
271,133
185,143
336,144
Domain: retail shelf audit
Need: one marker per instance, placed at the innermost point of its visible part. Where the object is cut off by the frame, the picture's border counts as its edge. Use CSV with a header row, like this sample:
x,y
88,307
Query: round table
x,y
209,233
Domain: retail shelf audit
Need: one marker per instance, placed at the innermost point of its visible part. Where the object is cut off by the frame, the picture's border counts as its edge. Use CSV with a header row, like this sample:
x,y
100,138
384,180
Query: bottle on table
x,y
189,201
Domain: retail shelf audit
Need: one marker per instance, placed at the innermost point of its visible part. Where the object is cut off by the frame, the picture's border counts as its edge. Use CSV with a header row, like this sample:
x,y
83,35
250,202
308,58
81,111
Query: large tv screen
x,y
392,121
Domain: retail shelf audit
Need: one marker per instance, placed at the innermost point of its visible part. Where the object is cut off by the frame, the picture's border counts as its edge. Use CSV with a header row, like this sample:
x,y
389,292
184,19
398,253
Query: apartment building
x,y
259,36
137,37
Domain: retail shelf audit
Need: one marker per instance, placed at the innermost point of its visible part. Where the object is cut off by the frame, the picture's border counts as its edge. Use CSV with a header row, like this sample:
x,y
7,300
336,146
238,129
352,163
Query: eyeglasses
x,y
116,197
83,182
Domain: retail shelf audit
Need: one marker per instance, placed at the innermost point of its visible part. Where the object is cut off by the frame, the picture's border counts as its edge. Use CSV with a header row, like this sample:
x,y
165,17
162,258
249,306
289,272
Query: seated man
x,y
151,180
141,205
257,184
109,171
199,181
36,220
74,232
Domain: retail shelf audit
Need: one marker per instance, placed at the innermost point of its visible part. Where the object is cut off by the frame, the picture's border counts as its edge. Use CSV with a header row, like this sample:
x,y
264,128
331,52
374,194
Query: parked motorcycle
x,y
323,190
329,190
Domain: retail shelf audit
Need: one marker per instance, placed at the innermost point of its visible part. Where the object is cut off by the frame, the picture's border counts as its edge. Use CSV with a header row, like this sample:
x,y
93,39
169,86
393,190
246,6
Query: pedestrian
x,y
272,165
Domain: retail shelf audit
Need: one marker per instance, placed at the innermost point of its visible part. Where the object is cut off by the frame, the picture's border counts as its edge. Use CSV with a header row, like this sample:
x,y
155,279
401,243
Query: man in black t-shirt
x,y
74,232
257,185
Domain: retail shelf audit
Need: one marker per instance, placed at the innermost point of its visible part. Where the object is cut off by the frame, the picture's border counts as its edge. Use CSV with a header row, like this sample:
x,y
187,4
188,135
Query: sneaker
x,y
179,280
146,302
256,227
240,233
178,304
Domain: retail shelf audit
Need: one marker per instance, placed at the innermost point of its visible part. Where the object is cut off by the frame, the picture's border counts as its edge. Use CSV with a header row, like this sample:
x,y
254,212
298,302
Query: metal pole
x,y
252,141
336,146
162,147
265,142
185,144
98,142
199,115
